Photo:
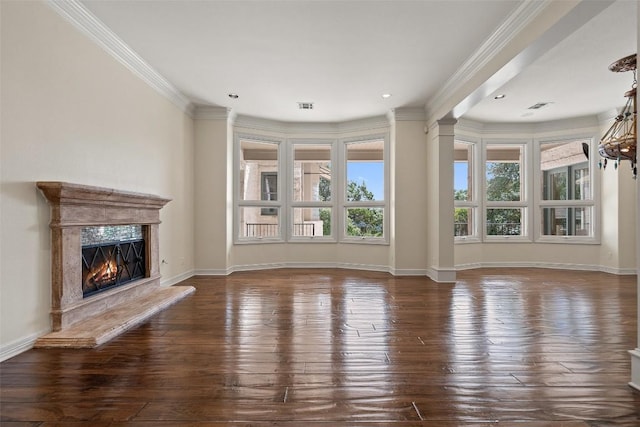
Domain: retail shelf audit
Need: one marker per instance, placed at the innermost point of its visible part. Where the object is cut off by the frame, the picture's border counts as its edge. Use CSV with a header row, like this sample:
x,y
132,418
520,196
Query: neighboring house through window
x,y
566,205
562,205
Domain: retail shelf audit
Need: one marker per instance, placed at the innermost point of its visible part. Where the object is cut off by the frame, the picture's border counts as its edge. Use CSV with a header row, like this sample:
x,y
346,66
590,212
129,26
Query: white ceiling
x,y
573,77
343,55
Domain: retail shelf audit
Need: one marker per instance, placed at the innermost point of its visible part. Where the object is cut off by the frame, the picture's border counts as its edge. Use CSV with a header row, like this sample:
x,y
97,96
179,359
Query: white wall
x,y
211,216
71,112
410,197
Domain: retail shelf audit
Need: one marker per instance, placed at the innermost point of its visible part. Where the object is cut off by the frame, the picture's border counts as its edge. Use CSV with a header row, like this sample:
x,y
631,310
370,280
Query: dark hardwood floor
x,y
507,347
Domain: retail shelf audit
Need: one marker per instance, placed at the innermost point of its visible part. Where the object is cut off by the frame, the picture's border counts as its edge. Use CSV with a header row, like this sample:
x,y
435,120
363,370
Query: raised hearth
x,y
85,319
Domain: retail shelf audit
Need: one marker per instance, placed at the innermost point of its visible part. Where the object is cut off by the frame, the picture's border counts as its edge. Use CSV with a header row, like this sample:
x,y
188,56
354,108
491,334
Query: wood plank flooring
x,y
507,347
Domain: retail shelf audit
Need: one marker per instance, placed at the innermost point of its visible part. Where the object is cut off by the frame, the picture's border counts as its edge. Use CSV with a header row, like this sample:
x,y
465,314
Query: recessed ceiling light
x,y
501,96
386,95
233,95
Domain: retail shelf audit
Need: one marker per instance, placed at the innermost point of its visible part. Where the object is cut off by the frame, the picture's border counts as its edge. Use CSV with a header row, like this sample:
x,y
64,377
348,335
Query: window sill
x,y
365,241
568,240
466,240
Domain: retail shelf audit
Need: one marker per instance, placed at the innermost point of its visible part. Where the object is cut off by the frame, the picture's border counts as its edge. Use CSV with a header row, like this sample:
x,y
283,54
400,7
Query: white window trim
x,y
291,204
525,189
475,203
285,203
342,185
539,203
238,204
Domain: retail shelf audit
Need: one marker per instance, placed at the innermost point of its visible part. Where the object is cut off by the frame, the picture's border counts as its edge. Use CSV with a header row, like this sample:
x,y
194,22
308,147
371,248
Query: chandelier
x,y
620,141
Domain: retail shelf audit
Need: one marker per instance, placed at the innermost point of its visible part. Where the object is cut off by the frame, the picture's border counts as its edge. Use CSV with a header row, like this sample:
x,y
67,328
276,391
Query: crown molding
x,y
607,116
74,12
585,124
522,16
202,112
322,128
410,114
366,124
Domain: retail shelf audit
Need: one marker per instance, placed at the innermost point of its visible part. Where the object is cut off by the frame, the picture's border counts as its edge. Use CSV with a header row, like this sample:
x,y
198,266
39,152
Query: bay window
x,y
548,198
292,190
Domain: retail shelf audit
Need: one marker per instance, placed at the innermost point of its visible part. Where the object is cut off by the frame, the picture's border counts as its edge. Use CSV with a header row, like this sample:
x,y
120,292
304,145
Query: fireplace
x,y
105,269
111,256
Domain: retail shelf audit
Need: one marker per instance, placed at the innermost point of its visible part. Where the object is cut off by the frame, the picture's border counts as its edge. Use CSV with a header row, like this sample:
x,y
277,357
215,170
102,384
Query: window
x,y
465,199
566,202
257,190
364,190
292,190
311,185
562,205
505,198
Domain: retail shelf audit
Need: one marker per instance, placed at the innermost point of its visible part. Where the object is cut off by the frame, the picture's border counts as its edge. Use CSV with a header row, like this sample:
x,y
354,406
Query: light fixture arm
x,y
621,139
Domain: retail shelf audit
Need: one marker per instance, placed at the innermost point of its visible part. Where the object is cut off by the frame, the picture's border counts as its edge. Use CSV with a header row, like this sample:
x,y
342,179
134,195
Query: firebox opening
x,y
112,256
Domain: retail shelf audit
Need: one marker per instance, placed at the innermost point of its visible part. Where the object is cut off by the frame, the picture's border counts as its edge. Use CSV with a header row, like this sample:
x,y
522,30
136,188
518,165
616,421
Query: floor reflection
x,y
336,347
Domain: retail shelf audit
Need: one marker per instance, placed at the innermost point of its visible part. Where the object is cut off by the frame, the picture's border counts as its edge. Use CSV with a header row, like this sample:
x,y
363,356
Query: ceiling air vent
x,y
305,105
538,106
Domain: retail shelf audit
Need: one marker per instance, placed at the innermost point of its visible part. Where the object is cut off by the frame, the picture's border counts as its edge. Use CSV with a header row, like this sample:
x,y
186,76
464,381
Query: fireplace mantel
x,y
87,322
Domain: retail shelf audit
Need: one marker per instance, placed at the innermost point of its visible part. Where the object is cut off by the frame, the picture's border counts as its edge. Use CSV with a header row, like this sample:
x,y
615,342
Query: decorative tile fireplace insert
x,y
104,263
112,255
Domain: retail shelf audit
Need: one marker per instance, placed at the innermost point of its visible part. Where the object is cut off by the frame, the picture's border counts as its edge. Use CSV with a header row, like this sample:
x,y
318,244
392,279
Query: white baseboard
x,y
635,368
553,266
177,279
408,272
21,345
212,272
276,265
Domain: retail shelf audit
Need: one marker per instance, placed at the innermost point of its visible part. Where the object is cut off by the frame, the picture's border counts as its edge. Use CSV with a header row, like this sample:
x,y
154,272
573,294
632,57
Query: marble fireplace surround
x,y
88,322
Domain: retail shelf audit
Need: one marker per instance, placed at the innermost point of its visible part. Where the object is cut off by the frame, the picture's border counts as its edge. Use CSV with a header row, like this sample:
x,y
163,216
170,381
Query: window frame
x,y
525,192
592,203
476,183
285,204
344,205
293,204
239,203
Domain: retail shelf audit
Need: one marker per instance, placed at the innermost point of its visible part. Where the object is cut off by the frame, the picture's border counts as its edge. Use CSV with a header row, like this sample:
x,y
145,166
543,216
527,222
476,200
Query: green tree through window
x,y
363,221
324,194
503,184
461,215
360,221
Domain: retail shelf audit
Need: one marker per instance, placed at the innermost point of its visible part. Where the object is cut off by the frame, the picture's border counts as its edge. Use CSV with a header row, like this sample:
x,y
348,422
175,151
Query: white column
x,y
440,195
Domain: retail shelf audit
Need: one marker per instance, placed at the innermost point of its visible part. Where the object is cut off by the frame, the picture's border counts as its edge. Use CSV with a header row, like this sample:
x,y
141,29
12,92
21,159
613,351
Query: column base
x,y
442,275
635,368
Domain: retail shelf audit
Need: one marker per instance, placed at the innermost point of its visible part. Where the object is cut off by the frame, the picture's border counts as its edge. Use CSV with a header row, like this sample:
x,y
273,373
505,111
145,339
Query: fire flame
x,y
105,273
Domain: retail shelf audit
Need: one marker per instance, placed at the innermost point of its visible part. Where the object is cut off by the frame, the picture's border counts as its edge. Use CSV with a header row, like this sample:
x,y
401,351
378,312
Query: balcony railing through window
x,y
271,230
